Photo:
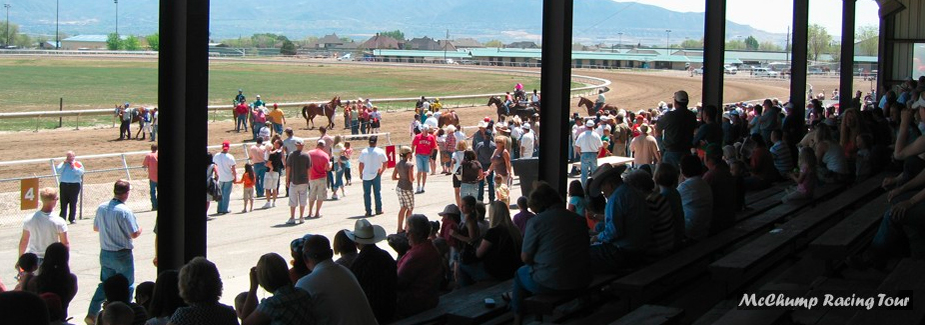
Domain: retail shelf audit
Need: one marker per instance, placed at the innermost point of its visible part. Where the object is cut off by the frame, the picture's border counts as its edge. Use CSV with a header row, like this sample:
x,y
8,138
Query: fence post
x,y
81,195
60,109
247,157
54,171
78,121
125,165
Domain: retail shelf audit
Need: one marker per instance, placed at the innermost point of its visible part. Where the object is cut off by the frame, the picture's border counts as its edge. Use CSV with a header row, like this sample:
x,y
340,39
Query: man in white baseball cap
x,y
588,144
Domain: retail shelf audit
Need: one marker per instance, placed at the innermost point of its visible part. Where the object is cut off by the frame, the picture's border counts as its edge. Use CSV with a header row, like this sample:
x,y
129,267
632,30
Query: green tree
x,y
769,46
835,51
692,44
735,44
113,42
14,31
288,48
396,34
869,40
751,43
818,41
131,43
494,43
154,41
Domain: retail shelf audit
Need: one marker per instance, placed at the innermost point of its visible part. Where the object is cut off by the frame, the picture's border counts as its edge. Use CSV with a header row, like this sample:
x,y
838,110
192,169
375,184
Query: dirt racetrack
x,y
630,90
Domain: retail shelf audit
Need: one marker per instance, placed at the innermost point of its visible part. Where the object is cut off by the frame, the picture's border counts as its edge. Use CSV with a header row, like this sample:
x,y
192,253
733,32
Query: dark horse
x,y
589,104
448,118
523,112
311,110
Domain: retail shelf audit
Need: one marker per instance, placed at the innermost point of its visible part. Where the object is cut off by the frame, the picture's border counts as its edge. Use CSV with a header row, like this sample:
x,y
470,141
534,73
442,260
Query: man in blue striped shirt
x,y
70,174
117,227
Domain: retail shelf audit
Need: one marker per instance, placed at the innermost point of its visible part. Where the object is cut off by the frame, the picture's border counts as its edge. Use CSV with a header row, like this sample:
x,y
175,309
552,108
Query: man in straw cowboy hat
x,y
374,269
625,232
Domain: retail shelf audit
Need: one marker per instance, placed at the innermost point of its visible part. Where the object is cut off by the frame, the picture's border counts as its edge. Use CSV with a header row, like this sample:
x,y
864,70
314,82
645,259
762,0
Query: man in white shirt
x,y
588,144
155,116
431,121
337,296
527,141
41,229
373,163
227,174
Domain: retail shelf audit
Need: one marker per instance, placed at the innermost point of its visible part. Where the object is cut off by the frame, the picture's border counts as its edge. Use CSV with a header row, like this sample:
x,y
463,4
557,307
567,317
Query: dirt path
x,y
632,91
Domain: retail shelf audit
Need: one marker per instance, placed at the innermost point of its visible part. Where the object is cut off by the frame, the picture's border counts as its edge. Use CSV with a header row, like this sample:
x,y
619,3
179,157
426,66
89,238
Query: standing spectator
x,y
336,294
451,141
621,135
298,165
125,116
278,118
696,199
354,119
259,119
248,179
41,230
288,147
337,167
259,102
375,118
117,227
769,120
70,174
274,165
555,250
423,144
150,165
345,158
588,144
470,174
240,113
200,287
484,150
527,142
265,131
364,117
709,136
227,174
319,168
419,271
55,276
155,117
626,230
258,155
404,174
288,305
645,148
373,163
375,269
328,149
676,128
500,162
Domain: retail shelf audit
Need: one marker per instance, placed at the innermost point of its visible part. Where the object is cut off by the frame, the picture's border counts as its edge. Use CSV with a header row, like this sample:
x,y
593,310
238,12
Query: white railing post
x,y
128,173
54,171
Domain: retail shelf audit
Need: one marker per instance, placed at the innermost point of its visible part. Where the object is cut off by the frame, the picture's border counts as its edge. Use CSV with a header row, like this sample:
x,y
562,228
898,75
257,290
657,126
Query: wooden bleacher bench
x,y
447,303
753,258
851,234
474,311
651,315
659,278
545,304
906,276
775,190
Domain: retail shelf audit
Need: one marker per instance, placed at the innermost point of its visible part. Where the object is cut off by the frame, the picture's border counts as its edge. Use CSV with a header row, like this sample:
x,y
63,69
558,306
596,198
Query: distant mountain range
x,y
596,21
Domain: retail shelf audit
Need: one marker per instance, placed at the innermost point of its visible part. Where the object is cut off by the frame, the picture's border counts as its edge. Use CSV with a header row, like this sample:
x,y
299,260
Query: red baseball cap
x,y
226,144
486,119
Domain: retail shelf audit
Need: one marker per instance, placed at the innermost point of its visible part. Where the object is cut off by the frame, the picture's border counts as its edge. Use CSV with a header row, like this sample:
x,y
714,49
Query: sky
x,y
758,13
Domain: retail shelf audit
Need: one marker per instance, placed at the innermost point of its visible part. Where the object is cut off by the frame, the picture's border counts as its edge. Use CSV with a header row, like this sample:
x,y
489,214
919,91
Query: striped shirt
x,y
782,158
116,224
662,241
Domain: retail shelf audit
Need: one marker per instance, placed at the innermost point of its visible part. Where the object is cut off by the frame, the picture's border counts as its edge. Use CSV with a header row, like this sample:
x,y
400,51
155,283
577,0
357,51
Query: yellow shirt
x,y
276,116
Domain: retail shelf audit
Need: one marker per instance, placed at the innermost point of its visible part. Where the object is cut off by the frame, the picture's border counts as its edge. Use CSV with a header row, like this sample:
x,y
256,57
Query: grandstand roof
x,y
421,54
90,38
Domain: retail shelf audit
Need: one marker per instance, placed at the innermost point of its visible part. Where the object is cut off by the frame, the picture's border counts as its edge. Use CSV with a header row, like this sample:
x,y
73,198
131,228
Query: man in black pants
x,y
70,174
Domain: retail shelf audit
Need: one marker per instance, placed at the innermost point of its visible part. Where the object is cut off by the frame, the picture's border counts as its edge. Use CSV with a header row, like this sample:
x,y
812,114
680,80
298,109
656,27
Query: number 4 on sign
x,y
29,199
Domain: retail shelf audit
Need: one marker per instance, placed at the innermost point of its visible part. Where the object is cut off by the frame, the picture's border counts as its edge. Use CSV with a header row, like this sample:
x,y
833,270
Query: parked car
x,y
346,57
764,72
698,71
728,69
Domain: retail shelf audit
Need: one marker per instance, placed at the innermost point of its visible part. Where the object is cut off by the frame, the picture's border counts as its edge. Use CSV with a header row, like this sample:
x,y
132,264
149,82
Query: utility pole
x,y
117,16
57,34
667,41
621,39
7,6
787,47
445,41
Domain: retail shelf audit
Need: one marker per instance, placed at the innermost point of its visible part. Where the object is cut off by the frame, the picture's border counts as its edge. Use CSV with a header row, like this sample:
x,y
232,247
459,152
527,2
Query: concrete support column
x,y
846,80
798,94
556,78
183,79
714,48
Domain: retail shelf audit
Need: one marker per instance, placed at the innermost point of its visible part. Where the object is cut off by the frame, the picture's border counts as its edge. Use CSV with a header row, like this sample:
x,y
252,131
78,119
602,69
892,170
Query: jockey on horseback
x,y
436,106
519,94
600,100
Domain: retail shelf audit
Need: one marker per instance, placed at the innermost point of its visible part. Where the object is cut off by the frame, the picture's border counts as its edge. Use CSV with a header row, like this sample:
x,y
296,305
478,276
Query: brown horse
x,y
311,110
589,105
448,118
524,112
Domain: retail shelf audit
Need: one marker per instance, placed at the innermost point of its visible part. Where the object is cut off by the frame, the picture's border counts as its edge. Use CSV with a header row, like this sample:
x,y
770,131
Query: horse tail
x,y
305,111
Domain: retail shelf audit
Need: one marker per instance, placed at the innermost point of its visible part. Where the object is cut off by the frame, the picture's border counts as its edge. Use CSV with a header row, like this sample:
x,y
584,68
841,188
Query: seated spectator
x,y
418,271
166,298
555,250
499,250
576,201
55,276
344,247
805,179
116,289
55,311
451,217
287,306
27,264
298,269
143,292
833,164
117,313
763,172
666,177
625,233
721,185
696,199
21,307
663,240
521,218
738,170
469,235
375,269
780,152
338,298
864,159
200,287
